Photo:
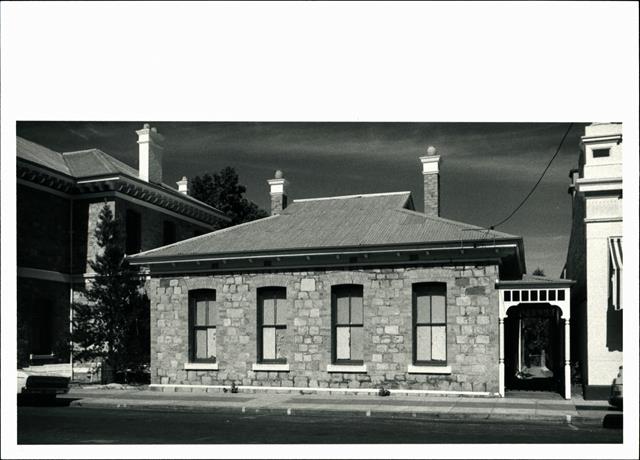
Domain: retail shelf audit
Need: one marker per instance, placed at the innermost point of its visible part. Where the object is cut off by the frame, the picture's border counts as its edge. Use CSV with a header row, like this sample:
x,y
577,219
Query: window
x,y
203,317
272,324
133,230
600,153
347,317
615,272
168,232
41,331
430,323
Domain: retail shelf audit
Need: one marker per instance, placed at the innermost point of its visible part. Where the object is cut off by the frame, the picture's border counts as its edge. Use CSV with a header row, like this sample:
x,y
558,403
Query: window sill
x,y
412,369
200,366
270,367
347,368
45,356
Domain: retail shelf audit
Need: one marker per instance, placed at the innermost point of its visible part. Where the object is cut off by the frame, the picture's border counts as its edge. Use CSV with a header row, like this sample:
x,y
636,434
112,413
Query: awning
x,y
615,248
615,252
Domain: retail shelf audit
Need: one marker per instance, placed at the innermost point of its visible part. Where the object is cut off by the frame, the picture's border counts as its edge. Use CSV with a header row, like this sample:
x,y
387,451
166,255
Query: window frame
x,y
354,290
432,288
194,296
133,231
269,292
41,335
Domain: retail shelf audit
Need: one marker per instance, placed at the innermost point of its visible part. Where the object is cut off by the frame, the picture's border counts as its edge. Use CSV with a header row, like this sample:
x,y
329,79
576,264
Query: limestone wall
x,y
472,329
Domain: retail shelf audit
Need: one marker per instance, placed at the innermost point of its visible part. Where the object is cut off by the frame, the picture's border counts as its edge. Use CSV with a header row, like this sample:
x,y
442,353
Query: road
x,y
80,425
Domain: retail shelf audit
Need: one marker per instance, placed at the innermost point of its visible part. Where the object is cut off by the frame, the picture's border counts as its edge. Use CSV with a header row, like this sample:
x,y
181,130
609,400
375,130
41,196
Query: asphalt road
x,y
79,425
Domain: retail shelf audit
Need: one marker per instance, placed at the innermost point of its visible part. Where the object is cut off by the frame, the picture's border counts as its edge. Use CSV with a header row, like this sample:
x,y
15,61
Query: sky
x,y
486,169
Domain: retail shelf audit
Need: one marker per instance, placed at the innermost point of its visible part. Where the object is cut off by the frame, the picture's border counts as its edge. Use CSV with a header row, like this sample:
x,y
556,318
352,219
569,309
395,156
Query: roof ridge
x,y
345,197
73,152
216,232
115,162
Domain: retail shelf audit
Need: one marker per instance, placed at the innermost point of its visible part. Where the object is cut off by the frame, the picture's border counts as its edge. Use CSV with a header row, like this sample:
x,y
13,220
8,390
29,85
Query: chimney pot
x,y
183,185
278,192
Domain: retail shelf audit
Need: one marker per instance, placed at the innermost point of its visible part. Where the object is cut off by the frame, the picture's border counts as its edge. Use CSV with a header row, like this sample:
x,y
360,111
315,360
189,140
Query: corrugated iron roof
x,y
529,281
36,153
87,163
334,222
94,162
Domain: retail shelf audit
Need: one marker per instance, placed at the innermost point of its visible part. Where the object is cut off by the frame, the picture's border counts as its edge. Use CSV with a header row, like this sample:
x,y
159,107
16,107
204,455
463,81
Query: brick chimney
x,y
278,192
183,185
150,154
431,176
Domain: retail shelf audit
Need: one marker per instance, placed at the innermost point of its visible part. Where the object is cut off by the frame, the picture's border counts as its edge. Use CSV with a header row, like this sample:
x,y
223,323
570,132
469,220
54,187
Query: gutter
x,y
133,260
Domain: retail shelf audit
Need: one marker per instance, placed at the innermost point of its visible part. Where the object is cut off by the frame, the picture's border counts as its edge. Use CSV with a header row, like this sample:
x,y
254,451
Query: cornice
x,y
114,183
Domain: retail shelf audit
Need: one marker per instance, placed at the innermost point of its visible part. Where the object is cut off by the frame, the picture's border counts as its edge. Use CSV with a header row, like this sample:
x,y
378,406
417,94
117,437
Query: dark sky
x,y
486,168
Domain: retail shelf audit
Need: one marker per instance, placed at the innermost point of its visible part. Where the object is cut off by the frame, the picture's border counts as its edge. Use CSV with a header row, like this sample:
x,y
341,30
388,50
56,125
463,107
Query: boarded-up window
x,y
203,318
348,319
272,324
429,323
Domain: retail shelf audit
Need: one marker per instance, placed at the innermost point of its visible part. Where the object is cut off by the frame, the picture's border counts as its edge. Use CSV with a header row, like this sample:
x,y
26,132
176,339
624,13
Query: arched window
x,y
203,319
272,324
430,323
347,318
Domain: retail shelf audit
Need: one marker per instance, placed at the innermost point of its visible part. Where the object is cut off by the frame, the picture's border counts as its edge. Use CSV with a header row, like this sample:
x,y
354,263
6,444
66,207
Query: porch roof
x,y
534,281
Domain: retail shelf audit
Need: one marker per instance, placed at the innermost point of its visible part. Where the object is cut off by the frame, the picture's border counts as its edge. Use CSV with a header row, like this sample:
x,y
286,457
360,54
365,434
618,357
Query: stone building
x,y
348,293
59,198
594,258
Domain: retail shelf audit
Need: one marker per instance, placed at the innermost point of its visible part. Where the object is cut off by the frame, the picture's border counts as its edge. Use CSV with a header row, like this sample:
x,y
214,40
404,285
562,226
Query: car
x,y
615,395
41,384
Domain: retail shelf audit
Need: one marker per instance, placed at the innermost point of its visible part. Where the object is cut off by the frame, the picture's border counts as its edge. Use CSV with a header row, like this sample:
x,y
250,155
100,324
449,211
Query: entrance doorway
x,y
534,348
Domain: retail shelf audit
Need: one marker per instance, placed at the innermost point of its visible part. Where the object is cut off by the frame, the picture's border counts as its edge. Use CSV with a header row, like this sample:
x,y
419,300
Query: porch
x,y
534,327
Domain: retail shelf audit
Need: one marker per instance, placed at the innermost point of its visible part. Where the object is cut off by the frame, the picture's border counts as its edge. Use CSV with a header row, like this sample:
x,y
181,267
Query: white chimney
x,y
431,177
278,192
150,154
183,185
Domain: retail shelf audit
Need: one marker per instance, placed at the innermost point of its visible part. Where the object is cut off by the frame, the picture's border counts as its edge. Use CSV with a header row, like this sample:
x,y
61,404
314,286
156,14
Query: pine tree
x,y
114,322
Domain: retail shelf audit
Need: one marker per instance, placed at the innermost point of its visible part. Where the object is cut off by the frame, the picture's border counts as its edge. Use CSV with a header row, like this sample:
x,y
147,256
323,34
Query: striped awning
x,y
615,248
615,252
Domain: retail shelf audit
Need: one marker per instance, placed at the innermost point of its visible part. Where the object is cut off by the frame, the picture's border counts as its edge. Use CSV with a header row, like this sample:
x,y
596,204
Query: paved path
x,y
432,407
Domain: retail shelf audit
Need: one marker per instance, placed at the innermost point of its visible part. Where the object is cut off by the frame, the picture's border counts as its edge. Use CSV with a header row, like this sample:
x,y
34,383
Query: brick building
x,y
59,198
351,292
594,258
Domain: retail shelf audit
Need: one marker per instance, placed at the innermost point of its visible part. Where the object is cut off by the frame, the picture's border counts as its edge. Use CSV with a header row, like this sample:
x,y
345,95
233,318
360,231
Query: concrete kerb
x,y
239,408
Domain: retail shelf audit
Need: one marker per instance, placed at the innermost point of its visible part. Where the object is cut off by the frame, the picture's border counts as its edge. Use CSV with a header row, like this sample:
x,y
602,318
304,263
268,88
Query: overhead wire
x,y
533,189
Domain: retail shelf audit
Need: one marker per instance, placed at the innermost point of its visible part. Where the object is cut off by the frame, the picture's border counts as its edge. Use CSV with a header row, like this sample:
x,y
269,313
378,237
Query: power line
x,y
539,180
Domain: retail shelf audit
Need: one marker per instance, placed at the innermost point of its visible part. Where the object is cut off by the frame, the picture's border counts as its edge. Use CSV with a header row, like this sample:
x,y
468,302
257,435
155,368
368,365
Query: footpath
x,y
517,406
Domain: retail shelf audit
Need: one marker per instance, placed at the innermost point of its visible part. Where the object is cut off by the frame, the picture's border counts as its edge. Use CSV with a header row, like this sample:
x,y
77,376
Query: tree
x,y
114,322
538,272
222,190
